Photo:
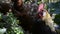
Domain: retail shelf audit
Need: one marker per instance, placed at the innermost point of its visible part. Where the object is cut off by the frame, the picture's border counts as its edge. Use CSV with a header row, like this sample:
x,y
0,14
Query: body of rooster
x,y
28,23
45,16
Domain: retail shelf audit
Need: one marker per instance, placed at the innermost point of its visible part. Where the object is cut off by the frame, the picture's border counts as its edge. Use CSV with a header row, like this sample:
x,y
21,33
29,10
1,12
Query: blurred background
x,y
19,16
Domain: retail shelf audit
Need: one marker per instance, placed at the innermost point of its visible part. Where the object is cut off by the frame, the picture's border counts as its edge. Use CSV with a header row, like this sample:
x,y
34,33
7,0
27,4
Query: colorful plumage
x,y
45,16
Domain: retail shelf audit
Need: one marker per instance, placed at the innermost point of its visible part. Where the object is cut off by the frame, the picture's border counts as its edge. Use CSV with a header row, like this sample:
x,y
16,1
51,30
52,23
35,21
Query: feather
x,y
48,20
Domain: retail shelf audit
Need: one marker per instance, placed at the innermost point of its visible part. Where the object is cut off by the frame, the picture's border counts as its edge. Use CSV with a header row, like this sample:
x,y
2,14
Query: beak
x,y
44,13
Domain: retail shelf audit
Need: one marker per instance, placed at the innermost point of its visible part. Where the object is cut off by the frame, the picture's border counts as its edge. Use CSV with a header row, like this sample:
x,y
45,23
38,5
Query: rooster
x,y
45,16
26,21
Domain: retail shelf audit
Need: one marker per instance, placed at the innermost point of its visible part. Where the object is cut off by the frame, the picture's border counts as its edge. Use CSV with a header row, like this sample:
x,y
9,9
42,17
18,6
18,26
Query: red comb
x,y
41,7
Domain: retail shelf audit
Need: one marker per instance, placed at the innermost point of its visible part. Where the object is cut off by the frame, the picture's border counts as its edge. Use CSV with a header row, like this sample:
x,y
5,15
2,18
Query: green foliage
x,y
57,19
10,23
18,30
52,10
38,2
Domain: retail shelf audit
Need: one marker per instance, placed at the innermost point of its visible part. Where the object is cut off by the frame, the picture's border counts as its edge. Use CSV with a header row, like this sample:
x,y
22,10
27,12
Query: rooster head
x,y
40,10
